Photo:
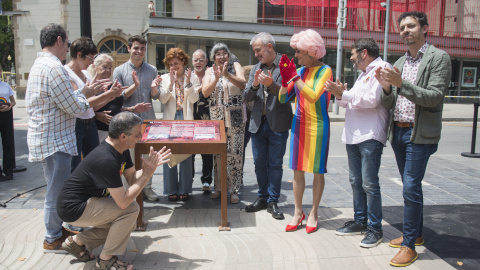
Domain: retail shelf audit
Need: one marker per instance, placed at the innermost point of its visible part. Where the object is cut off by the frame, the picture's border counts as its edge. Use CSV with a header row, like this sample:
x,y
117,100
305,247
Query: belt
x,y
86,121
403,125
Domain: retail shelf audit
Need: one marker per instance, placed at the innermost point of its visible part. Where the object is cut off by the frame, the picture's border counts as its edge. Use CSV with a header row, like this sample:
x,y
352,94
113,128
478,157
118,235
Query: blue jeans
x,y
56,169
175,184
268,149
412,162
172,183
363,164
87,140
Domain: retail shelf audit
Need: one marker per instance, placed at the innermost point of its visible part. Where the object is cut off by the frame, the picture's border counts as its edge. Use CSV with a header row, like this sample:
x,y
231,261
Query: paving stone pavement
x,y
189,239
184,235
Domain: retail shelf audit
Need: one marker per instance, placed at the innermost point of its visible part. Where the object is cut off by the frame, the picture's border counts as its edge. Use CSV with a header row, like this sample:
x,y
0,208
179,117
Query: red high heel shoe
x,y
311,229
292,228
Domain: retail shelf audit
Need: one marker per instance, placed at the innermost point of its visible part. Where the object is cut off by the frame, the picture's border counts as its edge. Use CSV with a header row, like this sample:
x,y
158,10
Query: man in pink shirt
x,y
365,134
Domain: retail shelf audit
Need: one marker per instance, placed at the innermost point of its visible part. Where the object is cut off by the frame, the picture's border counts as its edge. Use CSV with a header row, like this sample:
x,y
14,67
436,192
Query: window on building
x,y
112,45
162,50
116,47
164,8
269,13
215,10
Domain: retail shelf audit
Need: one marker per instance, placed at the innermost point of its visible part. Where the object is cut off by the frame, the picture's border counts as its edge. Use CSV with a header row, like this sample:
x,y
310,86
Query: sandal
x,y
107,264
184,197
173,197
80,252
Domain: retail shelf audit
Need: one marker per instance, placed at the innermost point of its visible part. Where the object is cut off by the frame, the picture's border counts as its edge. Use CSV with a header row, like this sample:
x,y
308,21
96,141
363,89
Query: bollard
x,y
474,133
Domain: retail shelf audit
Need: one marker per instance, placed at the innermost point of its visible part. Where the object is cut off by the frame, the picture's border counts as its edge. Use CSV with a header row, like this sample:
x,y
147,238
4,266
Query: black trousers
x,y
202,112
8,141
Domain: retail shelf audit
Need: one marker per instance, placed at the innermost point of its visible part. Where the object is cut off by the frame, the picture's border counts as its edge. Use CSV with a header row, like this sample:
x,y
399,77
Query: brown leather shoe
x,y
404,257
397,242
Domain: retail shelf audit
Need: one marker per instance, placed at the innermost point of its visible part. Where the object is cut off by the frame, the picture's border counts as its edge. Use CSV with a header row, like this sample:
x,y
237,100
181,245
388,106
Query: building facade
x,y
194,24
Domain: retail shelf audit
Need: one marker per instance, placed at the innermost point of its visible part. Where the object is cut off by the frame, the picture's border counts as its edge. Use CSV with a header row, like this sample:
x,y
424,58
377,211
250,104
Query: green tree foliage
x,y
6,37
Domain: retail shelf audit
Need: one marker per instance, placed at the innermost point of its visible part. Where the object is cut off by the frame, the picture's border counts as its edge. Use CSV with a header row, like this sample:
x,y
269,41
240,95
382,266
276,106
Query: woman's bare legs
x,y
298,189
317,190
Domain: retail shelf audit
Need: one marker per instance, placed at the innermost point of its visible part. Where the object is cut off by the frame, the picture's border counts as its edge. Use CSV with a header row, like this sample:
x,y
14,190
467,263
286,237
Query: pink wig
x,y
310,41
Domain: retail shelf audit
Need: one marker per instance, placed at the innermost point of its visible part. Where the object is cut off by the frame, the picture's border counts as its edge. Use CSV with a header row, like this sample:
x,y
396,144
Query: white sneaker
x,y
206,187
150,194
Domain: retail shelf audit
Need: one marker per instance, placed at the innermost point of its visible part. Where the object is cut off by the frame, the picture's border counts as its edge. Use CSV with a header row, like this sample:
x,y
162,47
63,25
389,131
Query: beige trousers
x,y
112,226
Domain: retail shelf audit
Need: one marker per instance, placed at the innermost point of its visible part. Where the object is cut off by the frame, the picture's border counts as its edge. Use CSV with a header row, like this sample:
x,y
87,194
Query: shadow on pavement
x,y
452,232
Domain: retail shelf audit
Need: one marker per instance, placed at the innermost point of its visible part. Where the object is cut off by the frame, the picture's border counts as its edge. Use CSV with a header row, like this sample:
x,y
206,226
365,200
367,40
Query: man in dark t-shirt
x,y
93,195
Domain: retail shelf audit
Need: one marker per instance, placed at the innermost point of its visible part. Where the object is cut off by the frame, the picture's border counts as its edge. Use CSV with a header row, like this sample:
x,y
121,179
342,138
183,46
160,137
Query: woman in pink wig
x,y
310,133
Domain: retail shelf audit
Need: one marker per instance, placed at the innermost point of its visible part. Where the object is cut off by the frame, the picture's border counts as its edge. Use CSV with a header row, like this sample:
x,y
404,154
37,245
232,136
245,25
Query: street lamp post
x,y
387,26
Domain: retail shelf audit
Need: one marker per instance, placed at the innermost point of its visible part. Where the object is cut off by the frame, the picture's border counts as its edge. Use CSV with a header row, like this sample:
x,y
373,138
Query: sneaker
x,y
55,247
206,187
372,238
351,228
150,194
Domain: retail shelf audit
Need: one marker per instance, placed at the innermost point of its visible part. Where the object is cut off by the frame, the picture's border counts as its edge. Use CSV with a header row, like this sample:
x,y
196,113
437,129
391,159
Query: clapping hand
x,y
188,75
155,159
217,72
388,77
135,79
335,88
156,82
116,90
287,70
142,107
95,87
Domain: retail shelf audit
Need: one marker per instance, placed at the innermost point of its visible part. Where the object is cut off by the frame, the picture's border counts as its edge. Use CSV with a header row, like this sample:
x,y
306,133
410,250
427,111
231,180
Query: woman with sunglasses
x,y
82,52
310,133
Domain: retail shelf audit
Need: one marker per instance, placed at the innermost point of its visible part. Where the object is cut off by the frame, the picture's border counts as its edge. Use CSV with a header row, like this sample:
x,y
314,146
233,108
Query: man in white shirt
x,y
365,134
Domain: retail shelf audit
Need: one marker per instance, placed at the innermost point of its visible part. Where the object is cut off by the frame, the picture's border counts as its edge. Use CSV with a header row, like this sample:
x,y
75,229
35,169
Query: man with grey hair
x,y
365,135
201,111
269,124
52,104
94,196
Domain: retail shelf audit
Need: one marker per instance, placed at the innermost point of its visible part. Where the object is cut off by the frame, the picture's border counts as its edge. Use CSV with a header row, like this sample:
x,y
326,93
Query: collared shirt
x,y
265,70
405,109
365,118
52,105
146,74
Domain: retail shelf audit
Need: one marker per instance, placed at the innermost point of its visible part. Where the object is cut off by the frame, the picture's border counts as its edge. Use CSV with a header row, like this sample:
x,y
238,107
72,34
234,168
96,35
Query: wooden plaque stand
x,y
187,147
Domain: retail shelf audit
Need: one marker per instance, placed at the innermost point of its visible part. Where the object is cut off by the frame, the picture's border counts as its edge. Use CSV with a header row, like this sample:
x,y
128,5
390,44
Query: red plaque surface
x,y
181,131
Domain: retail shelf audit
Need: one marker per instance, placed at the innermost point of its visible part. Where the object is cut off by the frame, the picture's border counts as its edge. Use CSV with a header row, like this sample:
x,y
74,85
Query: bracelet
x,y
294,79
228,75
188,85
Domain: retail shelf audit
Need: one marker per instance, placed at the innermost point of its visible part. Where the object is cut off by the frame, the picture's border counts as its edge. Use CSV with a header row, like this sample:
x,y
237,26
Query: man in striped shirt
x,y
52,105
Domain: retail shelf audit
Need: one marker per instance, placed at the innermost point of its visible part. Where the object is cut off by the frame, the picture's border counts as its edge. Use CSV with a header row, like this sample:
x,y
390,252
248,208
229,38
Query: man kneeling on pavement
x,y
93,196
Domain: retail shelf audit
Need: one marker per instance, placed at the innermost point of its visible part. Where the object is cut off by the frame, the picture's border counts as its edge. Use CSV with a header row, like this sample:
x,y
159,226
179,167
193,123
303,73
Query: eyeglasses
x,y
91,58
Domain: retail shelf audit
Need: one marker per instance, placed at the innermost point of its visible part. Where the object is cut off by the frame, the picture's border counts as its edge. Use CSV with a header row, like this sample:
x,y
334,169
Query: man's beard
x,y
358,61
